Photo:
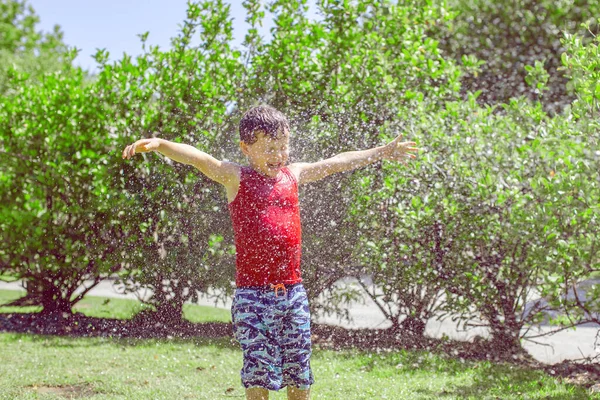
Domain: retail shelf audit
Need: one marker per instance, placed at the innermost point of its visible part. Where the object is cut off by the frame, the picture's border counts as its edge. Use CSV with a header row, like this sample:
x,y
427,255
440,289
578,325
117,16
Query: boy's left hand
x,y
399,151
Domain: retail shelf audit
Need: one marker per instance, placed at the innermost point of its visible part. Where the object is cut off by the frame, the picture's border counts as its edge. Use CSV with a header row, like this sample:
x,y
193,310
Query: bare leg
x,y
257,394
294,393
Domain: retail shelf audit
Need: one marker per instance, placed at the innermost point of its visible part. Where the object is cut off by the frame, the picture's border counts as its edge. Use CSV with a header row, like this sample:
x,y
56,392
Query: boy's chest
x,y
281,194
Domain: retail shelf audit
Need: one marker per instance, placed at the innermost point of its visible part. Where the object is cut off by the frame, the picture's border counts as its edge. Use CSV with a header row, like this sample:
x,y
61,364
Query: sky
x,y
115,24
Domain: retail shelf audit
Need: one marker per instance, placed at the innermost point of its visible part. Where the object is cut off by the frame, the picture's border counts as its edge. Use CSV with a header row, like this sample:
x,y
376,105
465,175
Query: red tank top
x,y
266,223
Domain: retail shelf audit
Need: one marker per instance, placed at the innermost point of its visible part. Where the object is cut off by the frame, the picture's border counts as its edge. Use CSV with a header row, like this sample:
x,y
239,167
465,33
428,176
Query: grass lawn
x,y
101,307
7,277
47,367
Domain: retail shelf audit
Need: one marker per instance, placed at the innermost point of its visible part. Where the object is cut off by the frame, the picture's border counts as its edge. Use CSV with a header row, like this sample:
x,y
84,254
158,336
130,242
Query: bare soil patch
x,y
66,391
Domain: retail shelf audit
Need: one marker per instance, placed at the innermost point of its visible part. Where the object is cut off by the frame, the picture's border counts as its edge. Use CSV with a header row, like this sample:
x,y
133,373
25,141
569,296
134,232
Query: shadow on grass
x,y
79,325
90,342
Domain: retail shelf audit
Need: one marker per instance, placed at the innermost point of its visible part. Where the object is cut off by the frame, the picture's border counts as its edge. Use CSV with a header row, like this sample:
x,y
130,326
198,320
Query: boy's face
x,y
267,156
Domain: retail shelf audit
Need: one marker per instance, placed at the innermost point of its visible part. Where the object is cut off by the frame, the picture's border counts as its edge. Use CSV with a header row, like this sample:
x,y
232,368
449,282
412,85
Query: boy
x,y
270,308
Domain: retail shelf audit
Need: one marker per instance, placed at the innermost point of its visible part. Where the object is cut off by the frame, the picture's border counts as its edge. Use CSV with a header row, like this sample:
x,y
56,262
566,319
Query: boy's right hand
x,y
141,146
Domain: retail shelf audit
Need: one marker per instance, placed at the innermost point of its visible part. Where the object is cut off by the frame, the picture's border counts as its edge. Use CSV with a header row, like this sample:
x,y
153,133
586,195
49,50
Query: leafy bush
x,y
58,222
175,218
508,35
496,222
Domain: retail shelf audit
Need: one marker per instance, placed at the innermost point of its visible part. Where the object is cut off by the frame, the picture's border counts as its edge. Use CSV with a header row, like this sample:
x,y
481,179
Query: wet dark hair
x,y
265,119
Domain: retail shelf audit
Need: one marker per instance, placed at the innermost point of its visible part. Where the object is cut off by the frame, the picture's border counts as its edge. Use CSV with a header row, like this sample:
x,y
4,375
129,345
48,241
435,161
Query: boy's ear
x,y
244,147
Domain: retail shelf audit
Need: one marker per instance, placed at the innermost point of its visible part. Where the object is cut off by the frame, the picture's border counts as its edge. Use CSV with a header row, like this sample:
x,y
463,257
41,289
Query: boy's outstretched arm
x,y
393,151
223,172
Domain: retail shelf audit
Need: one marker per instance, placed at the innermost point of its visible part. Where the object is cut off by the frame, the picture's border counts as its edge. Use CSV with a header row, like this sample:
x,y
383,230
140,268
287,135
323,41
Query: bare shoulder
x,y
232,168
232,173
296,170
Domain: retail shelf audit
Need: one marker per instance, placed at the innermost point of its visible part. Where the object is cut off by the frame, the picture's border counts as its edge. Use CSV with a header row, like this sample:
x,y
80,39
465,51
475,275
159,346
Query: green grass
x,y
101,307
45,367
8,277
98,368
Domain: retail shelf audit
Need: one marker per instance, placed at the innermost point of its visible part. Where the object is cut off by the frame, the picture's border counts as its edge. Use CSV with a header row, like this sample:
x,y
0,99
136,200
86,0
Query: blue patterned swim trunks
x,y
273,328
